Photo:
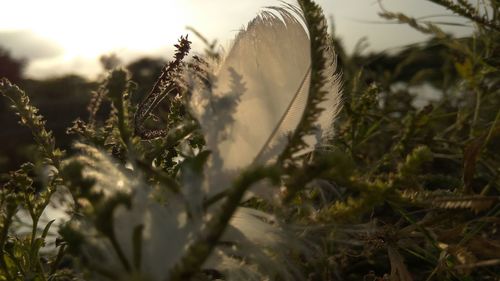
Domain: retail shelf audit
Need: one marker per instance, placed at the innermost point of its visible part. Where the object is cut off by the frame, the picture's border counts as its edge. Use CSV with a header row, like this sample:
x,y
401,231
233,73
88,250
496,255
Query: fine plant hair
x,y
165,87
467,10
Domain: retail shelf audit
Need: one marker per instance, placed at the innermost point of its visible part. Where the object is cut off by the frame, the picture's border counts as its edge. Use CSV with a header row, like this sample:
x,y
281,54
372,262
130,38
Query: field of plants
x,y
286,158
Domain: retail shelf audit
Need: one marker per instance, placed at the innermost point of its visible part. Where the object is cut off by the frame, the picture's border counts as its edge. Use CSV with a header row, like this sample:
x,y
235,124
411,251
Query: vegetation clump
x,y
405,188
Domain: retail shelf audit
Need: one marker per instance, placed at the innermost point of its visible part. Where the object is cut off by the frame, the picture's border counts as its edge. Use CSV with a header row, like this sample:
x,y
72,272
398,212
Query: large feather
x,y
258,94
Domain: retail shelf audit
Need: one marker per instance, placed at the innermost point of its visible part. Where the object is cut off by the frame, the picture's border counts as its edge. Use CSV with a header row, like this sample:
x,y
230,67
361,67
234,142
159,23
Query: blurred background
x,y
58,50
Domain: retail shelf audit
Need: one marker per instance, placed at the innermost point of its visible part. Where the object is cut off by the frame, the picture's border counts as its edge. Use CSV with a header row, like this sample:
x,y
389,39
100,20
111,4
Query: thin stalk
x,y
492,128
477,107
203,246
3,238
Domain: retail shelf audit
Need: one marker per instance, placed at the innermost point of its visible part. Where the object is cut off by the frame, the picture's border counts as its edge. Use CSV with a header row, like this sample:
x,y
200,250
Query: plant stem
x,y
201,249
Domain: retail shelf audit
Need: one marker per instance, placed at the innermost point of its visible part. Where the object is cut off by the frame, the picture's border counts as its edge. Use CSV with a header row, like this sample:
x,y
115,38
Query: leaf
x,y
47,228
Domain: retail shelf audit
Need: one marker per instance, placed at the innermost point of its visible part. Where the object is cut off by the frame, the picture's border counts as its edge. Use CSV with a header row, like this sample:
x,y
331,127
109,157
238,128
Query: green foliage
x,y
316,24
408,189
28,117
424,176
10,67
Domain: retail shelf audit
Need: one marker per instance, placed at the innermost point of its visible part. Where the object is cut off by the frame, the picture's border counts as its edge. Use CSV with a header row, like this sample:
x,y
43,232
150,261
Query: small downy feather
x,y
253,246
258,94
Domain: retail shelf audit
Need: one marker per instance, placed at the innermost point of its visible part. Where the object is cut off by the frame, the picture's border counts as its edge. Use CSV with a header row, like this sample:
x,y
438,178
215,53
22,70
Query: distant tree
x,y
109,62
60,100
10,67
432,62
144,72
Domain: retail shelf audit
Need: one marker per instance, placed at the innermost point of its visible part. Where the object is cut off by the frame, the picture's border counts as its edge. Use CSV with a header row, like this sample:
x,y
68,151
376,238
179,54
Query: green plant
x,y
404,189
153,203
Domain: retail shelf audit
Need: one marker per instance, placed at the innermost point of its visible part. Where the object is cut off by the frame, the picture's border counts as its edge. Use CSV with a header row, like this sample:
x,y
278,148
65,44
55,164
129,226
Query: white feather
x,y
258,95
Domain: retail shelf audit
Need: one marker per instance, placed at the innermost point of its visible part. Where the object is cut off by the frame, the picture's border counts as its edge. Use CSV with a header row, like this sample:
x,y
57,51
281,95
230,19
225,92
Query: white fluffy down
x,y
253,246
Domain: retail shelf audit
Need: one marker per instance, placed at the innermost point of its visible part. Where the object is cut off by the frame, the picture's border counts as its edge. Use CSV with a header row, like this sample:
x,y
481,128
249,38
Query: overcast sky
x,y
59,37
